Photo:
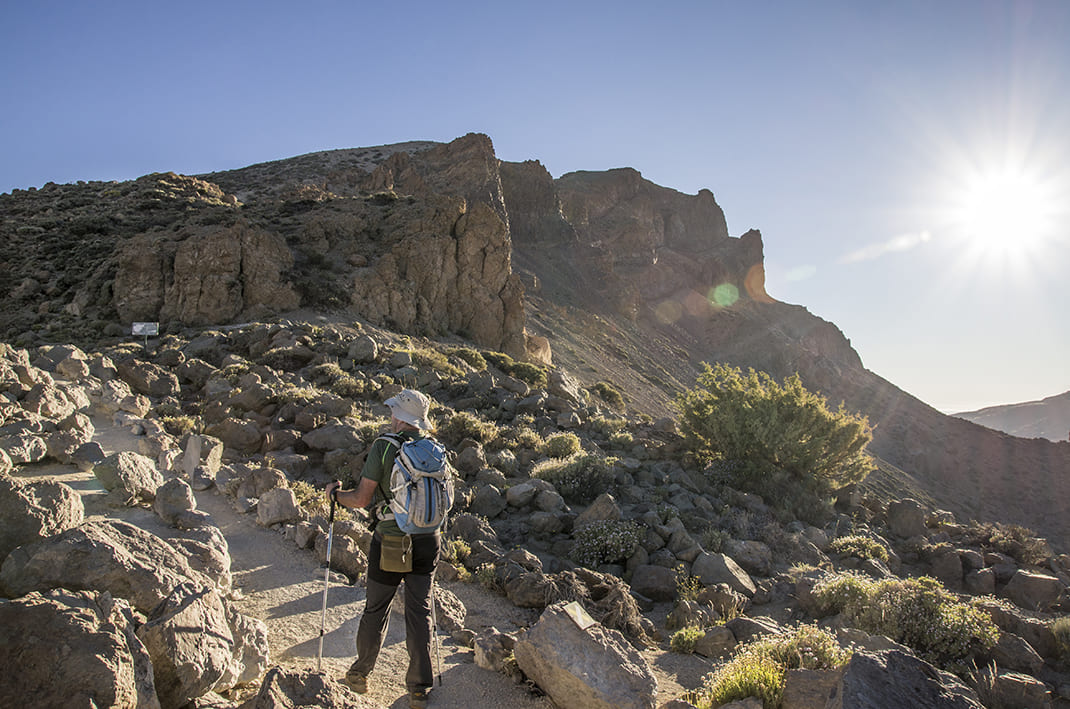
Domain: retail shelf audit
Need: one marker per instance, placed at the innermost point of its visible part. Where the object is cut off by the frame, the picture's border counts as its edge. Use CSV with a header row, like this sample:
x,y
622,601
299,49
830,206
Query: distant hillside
x,y
1048,418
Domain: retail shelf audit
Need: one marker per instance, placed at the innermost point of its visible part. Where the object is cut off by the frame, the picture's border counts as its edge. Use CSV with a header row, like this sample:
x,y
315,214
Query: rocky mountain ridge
x,y
608,275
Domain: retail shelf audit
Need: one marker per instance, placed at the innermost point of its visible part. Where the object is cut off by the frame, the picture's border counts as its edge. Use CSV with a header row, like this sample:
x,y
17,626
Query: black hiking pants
x,y
382,586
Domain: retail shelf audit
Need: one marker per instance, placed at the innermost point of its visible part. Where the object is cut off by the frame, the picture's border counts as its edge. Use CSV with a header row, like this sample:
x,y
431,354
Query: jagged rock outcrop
x,y
73,648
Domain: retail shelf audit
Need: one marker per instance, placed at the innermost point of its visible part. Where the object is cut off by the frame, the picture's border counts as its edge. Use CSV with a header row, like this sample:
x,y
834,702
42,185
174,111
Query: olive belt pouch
x,y
395,553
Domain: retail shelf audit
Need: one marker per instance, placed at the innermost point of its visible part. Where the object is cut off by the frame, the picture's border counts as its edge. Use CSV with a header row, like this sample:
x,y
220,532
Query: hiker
x,y
409,421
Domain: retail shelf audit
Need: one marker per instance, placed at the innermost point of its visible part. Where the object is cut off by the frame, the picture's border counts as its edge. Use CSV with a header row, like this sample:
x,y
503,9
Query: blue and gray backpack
x,y
421,485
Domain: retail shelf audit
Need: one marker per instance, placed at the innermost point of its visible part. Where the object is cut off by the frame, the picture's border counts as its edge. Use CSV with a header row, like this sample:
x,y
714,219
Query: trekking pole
x,y
326,580
434,632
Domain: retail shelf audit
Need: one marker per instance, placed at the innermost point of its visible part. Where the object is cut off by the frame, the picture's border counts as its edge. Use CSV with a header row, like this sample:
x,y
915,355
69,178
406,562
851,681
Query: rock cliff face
x,y
445,239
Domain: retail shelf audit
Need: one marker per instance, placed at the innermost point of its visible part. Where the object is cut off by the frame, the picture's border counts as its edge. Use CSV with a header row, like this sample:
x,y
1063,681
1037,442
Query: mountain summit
x,y
606,274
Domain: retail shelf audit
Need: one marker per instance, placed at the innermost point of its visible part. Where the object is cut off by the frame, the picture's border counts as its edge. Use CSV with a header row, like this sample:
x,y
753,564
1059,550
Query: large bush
x,y
917,612
760,426
578,479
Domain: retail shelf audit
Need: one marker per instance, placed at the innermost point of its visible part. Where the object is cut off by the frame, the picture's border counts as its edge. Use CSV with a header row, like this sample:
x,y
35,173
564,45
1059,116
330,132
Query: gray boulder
x,y
282,689
278,506
898,679
190,643
24,448
100,555
73,649
130,474
658,583
148,378
333,436
173,498
720,568
906,518
1034,591
237,434
582,665
33,511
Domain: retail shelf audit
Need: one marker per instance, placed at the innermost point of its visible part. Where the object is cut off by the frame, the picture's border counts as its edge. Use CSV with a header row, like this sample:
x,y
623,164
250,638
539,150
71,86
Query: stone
x,y
488,502
149,379
24,448
897,679
604,508
657,583
295,689
172,499
1012,652
363,350
716,642
1034,591
48,401
521,495
73,649
746,629
809,689
1013,689
687,613
333,436
981,582
237,434
753,556
947,568
720,568
278,506
130,474
34,510
584,667
190,643
100,555
492,648
250,653
906,518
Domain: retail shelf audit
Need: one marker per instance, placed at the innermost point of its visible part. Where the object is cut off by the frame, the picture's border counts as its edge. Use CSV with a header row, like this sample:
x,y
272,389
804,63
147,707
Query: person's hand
x,y
332,490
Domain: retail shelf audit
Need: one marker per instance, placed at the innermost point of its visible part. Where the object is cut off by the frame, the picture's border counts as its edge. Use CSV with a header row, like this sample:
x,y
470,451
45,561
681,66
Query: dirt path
x,y
282,585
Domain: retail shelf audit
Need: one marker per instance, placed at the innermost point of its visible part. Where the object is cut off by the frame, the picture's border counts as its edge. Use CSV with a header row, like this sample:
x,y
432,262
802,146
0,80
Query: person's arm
x,y
356,499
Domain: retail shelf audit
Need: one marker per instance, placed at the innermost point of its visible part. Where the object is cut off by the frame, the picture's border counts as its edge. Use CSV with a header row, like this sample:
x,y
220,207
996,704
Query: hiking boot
x,y
418,699
357,682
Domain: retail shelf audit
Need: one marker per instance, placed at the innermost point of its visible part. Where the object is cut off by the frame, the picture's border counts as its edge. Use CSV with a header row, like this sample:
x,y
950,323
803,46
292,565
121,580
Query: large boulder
x,y
130,474
278,506
148,378
100,555
1034,591
897,679
237,434
582,665
720,568
32,511
73,649
173,499
190,643
294,689
906,518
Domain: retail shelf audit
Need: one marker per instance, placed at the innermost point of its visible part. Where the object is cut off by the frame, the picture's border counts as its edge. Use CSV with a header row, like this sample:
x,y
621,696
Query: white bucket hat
x,y
411,407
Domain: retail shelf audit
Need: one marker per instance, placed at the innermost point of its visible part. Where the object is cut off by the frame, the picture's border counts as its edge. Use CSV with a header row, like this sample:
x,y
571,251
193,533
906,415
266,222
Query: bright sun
x,y
1003,212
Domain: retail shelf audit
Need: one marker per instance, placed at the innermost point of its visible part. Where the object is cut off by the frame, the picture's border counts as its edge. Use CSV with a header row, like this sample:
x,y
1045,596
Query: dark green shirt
x,y
378,466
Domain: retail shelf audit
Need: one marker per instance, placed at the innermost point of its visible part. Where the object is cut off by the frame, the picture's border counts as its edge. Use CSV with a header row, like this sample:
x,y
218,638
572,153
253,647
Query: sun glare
x,y
1004,212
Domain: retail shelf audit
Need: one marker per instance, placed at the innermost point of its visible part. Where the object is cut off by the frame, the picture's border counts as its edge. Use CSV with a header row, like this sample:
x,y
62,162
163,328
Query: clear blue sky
x,y
908,163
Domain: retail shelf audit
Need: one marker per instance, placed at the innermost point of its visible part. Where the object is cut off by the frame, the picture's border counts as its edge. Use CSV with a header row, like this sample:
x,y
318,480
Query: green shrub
x,y
433,359
579,479
455,551
560,445
179,425
605,542
466,425
500,360
608,393
917,612
860,546
687,586
472,357
759,668
621,439
520,437
315,502
606,426
1060,628
330,376
683,640
1010,539
747,675
531,374
291,394
761,426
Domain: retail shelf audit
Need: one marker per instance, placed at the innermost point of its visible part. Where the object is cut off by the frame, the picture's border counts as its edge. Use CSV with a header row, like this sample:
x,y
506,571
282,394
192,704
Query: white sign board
x,y
145,328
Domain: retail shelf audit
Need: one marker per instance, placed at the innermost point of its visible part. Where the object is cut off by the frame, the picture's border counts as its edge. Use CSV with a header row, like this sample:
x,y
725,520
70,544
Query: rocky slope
x,y
614,277
645,542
